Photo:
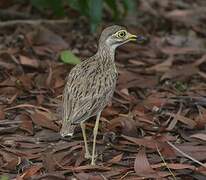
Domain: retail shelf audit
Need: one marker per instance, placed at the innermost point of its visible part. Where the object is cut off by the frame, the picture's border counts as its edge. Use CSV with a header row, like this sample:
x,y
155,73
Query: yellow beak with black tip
x,y
140,39
131,37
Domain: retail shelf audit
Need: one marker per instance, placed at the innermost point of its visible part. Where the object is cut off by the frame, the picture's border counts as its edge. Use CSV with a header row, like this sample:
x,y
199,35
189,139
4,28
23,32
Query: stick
x,y
186,155
32,22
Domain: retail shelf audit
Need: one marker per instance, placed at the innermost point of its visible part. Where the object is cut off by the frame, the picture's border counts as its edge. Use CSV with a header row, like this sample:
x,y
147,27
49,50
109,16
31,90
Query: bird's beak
x,y
131,37
139,38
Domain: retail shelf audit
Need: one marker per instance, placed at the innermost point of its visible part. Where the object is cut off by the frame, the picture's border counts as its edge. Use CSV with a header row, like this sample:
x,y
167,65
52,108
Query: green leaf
x,y
4,178
79,5
95,13
113,6
69,58
40,4
55,5
129,5
74,4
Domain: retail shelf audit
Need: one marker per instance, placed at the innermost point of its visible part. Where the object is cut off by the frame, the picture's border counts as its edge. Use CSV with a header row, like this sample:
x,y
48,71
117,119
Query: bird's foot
x,y
93,162
87,155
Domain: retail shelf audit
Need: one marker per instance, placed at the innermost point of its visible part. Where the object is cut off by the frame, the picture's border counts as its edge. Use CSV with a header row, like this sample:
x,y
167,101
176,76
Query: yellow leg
x,y
95,131
87,154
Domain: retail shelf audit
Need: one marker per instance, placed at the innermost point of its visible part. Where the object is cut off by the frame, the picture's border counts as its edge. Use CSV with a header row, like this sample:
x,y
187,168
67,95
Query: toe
x,y
93,164
87,156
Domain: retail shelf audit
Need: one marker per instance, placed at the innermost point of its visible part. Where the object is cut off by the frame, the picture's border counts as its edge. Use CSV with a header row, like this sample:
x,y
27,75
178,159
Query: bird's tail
x,y
67,129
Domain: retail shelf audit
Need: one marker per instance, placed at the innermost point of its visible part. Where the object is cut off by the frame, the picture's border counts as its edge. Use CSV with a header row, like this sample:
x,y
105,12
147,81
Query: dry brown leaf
x,y
184,41
175,166
156,99
125,125
195,151
31,171
41,120
88,176
42,37
2,113
149,143
162,67
49,77
179,51
88,167
143,168
26,124
200,136
130,80
181,73
186,16
191,123
10,160
116,159
48,160
6,65
26,61
25,81
201,119
109,111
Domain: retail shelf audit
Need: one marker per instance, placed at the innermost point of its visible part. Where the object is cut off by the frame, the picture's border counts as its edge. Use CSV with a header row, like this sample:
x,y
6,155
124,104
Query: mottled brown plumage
x,y
90,84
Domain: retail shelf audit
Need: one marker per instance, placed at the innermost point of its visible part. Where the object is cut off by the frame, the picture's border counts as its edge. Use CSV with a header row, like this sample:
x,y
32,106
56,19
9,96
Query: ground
x,y
155,125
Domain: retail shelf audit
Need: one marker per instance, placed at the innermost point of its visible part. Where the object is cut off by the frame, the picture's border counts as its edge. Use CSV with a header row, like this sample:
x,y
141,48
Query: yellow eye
x,y
121,34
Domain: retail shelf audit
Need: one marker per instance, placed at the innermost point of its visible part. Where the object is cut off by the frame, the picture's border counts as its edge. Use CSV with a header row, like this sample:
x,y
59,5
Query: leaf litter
x,y
153,128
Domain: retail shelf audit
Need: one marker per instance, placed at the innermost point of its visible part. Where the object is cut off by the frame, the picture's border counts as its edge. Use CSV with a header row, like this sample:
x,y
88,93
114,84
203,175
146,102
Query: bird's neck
x,y
106,54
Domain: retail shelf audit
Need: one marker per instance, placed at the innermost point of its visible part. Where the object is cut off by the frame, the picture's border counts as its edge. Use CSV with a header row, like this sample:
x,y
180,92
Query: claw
x,y
87,156
94,160
93,163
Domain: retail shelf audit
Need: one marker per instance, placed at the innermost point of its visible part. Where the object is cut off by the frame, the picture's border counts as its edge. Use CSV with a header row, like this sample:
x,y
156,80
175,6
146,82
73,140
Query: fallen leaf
x,y
41,120
69,58
142,141
2,113
26,61
191,123
43,36
189,17
143,168
201,119
88,176
200,136
162,67
128,79
181,73
26,124
175,166
116,159
31,171
110,111
126,125
10,160
25,81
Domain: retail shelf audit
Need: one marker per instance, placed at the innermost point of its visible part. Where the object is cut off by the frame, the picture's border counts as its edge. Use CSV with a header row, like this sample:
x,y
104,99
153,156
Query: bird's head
x,y
114,36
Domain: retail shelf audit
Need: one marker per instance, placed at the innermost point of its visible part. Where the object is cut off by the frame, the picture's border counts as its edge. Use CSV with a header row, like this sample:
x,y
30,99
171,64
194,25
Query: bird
x,y
90,85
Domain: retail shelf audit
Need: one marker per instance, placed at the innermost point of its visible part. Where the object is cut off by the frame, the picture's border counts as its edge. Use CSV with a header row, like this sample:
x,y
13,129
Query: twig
x,y
27,106
127,173
32,22
10,14
186,155
162,158
8,122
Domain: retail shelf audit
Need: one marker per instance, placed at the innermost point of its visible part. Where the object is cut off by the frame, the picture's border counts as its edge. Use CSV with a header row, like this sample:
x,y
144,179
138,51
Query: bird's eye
x,y
121,34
